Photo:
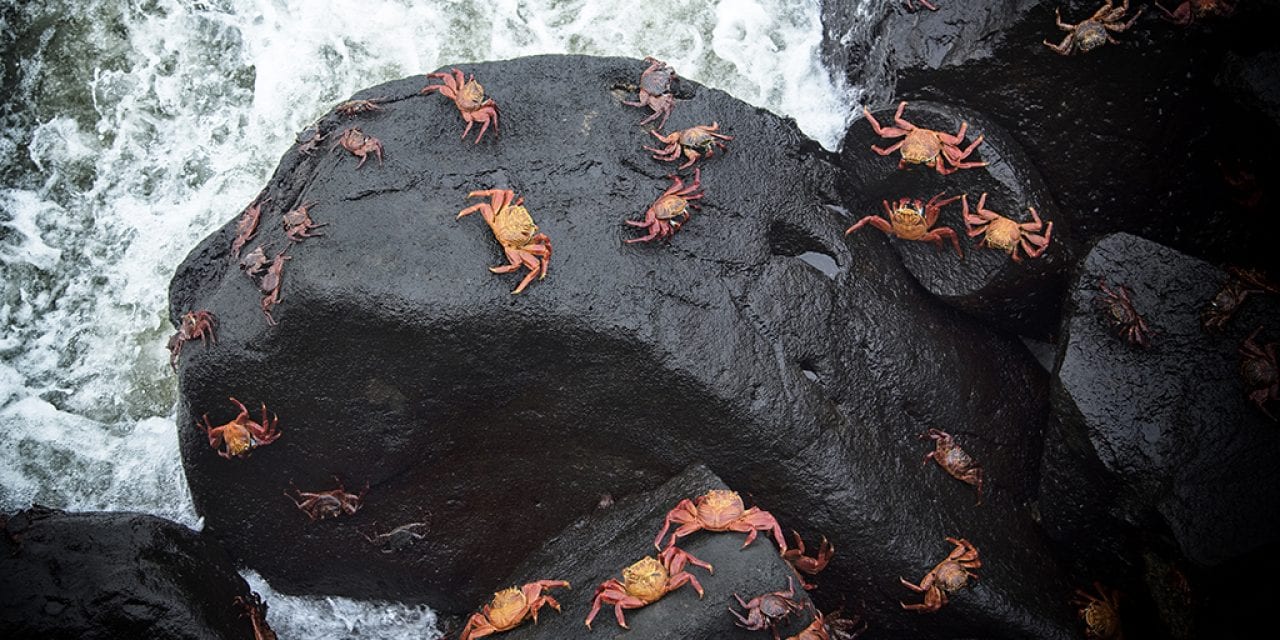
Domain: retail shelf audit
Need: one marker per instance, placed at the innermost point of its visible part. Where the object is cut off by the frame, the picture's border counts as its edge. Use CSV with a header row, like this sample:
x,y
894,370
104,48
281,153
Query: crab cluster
x,y
1095,31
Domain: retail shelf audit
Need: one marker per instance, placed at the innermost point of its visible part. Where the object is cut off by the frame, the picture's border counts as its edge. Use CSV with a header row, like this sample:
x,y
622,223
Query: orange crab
x,y
810,565
468,95
514,229
912,220
1101,613
510,607
719,510
925,146
953,459
1005,234
646,582
242,435
660,218
948,577
689,141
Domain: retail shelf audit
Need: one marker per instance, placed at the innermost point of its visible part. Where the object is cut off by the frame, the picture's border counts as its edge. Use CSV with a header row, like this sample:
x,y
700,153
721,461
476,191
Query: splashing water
x,y
134,129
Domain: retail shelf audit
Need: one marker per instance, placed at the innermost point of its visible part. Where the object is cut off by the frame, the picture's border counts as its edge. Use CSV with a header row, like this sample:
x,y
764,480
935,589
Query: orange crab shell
x,y
646,579
719,508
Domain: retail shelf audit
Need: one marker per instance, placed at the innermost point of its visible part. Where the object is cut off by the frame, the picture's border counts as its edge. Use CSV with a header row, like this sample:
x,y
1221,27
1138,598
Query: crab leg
x,y
1063,48
875,221
885,152
884,132
956,139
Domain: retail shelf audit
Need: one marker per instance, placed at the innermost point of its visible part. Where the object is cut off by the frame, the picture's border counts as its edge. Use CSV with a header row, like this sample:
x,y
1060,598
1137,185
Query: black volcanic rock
x,y
1022,297
499,420
1161,439
114,575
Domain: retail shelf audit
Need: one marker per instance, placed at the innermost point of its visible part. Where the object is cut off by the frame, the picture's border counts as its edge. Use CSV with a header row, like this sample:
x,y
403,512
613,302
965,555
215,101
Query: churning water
x,y
133,128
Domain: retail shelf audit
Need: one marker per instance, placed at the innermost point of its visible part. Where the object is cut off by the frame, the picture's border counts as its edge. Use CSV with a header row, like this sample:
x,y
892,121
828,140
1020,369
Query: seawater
x,y
131,129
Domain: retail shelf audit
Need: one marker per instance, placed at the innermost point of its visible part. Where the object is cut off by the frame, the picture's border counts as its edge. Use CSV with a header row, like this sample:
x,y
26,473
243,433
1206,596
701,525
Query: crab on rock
x,y
319,505
247,227
1242,284
195,324
702,138
835,627
719,510
1005,234
1092,33
359,144
298,224
1191,10
655,91
810,565
913,220
1260,371
242,435
354,107
768,610
925,146
1121,314
953,459
256,610
646,582
514,229
1101,613
510,607
468,96
660,218
270,283
948,577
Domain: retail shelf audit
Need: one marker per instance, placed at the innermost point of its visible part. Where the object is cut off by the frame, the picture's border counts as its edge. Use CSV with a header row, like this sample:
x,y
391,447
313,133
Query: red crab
x,y
195,324
719,510
646,582
255,263
1191,10
468,95
247,227
1092,33
242,435
811,565
1005,234
953,459
510,607
925,146
354,107
768,610
360,145
514,229
912,220
309,140
1121,314
256,610
655,91
910,5
328,504
1242,284
1101,613
948,577
833,627
1260,371
298,224
660,218
270,284
689,142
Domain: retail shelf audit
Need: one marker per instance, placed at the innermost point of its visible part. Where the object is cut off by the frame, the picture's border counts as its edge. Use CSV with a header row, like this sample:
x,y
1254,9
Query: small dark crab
x,y
1260,371
298,224
195,324
1101,613
660,219
953,459
702,138
270,283
1191,10
767,611
360,145
1242,284
1122,316
808,565
948,577
399,538
356,107
1093,33
655,91
247,226
333,503
309,140
256,610
254,264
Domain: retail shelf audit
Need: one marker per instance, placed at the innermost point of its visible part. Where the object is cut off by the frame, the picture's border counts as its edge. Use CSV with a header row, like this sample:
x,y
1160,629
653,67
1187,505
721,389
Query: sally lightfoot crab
x,y
333,503
298,225
913,220
514,229
270,284
256,610
1093,33
1122,315
719,510
360,145
660,218
1191,10
195,324
510,607
1260,371
646,582
1005,234
1101,613
242,435
468,96
953,459
808,565
767,611
694,143
247,226
1242,284
948,577
356,107
925,146
655,91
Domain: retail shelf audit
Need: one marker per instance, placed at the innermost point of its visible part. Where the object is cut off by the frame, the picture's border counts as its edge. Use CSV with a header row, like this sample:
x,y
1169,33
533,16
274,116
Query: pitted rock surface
x,y
499,420
114,575
1162,438
1022,297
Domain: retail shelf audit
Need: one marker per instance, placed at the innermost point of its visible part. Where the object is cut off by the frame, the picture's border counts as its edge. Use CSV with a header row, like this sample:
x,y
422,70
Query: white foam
x,y
331,617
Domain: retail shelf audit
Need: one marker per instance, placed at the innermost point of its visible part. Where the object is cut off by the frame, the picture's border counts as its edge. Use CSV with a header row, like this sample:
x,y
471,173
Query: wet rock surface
x,y
113,575
1021,297
499,420
1161,439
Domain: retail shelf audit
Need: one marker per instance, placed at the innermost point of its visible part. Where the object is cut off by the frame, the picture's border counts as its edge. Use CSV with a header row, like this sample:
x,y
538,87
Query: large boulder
x,y
114,575
498,419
